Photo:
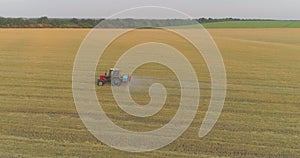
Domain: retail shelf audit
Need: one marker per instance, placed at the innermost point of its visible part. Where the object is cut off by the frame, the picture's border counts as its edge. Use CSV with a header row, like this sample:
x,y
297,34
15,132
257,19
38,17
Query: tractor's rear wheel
x,y
116,82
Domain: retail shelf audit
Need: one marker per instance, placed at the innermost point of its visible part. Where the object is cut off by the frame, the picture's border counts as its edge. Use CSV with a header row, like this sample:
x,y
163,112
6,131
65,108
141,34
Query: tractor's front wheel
x,y
100,83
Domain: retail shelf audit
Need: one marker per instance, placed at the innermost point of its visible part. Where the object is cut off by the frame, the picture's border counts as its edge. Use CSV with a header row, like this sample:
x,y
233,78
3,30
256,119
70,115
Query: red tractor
x,y
114,78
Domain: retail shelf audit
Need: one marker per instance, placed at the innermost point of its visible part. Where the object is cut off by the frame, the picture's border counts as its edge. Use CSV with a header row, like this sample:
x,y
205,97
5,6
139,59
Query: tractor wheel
x,y
116,82
100,83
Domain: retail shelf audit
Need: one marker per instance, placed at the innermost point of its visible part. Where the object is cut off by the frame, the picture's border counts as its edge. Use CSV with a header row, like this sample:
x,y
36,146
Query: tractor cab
x,y
113,72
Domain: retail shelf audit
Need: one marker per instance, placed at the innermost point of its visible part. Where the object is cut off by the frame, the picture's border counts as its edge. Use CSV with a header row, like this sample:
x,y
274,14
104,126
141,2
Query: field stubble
x,y
260,115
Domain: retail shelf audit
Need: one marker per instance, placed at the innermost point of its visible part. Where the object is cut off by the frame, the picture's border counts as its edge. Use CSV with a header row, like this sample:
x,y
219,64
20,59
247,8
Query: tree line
x,y
45,22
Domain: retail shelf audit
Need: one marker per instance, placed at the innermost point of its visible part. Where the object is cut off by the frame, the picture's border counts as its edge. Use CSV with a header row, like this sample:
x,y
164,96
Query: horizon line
x,y
98,18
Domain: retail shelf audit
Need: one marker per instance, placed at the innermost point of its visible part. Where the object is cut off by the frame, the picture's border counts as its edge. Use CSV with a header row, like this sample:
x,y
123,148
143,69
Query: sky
x,y
261,9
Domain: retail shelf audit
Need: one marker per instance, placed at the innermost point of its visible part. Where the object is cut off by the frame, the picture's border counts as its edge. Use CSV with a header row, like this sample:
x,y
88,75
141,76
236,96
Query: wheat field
x,y
260,118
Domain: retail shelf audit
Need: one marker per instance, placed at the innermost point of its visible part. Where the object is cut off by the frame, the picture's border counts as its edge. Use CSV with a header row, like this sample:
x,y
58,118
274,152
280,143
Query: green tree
x,y
43,20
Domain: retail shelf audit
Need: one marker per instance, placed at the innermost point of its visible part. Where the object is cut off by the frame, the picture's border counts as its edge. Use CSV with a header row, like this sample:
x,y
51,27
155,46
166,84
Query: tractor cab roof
x,y
114,69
